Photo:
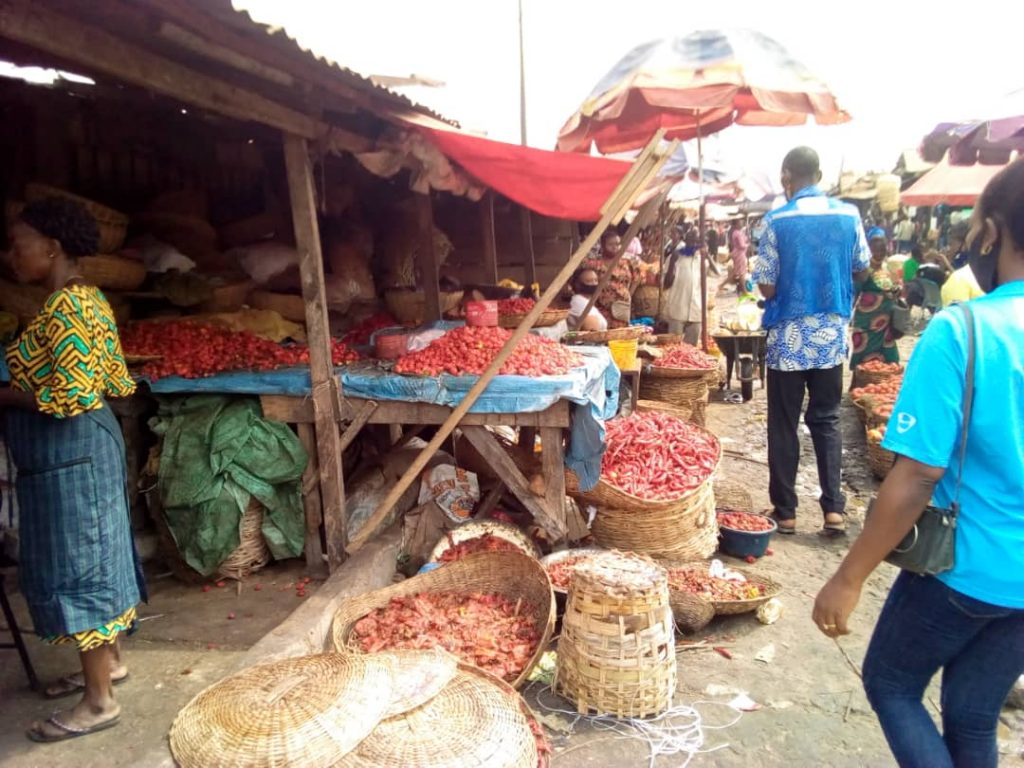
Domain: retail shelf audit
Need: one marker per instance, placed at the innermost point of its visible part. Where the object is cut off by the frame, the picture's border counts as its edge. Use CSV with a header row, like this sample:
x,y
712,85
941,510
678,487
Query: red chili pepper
x,y
723,652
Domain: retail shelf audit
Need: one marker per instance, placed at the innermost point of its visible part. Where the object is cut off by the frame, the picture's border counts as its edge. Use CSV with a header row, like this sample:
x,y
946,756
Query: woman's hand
x,y
834,604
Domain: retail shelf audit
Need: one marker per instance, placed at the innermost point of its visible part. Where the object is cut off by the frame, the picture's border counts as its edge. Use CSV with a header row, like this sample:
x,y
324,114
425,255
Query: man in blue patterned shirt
x,y
810,254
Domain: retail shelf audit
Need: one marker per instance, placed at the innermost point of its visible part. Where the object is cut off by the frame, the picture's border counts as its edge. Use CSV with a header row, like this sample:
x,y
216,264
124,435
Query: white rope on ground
x,y
679,731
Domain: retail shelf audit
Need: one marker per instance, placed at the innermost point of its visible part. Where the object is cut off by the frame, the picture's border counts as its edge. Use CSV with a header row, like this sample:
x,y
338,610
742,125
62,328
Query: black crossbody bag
x,y
930,547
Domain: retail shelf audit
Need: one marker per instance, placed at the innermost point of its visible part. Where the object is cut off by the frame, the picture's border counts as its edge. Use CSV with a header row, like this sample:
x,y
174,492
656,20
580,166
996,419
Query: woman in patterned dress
x,y
873,335
78,569
614,300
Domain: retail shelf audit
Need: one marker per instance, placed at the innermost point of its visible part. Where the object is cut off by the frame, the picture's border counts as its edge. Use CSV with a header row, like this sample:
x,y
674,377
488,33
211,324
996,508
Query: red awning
x,y
558,184
950,184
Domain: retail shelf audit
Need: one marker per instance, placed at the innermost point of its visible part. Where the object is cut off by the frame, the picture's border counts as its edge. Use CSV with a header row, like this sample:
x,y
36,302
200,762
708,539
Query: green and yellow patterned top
x,y
70,355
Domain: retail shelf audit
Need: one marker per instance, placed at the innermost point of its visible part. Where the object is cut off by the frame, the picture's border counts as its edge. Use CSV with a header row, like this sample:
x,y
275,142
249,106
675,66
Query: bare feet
x,y
80,720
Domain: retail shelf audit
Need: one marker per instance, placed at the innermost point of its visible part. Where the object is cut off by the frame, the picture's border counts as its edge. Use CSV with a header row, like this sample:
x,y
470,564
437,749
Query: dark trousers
x,y
785,400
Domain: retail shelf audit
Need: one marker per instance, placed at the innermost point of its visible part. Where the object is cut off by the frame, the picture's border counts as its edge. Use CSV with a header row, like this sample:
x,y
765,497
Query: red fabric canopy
x,y
950,184
556,184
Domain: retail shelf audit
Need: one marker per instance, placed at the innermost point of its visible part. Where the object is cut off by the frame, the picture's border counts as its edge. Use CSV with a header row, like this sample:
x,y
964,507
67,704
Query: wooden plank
x,y
299,410
529,252
488,447
426,256
100,51
311,502
490,241
326,390
553,468
358,422
490,501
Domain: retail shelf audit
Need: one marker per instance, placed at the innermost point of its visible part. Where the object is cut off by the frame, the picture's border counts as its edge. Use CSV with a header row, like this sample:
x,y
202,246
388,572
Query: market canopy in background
x,y
989,141
950,184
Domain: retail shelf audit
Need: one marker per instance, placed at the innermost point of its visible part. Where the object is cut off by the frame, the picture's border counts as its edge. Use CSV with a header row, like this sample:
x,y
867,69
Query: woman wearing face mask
x,y
77,565
584,285
873,336
969,620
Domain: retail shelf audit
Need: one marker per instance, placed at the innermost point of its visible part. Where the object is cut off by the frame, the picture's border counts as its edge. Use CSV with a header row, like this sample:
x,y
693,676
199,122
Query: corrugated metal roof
x,y
230,12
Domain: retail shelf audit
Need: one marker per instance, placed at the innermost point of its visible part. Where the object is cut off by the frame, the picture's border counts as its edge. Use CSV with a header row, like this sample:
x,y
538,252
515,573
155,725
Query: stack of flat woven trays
x,y
546,319
616,653
358,711
603,337
685,528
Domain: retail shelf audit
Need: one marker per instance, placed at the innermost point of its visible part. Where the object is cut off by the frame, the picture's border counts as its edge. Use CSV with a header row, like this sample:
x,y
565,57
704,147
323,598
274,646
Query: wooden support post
x,y
647,169
529,255
553,468
358,422
326,389
490,501
426,257
489,239
311,502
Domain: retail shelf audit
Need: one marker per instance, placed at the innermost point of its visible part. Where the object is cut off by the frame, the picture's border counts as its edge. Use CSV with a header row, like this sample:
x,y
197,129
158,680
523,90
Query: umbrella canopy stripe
x,y
950,184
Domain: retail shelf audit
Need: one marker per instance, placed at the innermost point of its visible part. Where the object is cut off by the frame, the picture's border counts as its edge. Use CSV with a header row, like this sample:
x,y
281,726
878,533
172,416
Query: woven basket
x,y
509,574
418,677
643,406
287,305
880,460
251,554
113,225
690,533
645,301
862,407
612,334
666,372
409,307
691,612
733,495
309,711
112,272
476,528
556,557
616,653
732,607
473,721
668,339
229,297
862,378
547,318
23,301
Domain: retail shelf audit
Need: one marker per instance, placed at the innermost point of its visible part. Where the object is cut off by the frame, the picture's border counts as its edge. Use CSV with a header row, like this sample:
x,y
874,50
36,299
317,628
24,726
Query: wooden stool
x,y
18,642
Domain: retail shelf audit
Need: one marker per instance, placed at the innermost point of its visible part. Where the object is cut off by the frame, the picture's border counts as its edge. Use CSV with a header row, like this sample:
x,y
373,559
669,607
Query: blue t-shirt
x,y
926,424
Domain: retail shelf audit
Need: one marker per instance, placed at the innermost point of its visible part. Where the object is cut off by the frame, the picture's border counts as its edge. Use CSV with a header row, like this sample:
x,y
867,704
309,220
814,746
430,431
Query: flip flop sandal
x,y
68,731
788,530
73,686
833,530
733,397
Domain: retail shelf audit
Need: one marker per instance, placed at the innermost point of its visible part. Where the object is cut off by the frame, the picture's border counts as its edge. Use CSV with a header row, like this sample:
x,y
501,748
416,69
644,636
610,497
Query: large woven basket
x,y
229,297
23,301
251,554
616,653
113,272
862,378
687,533
645,301
770,588
612,334
476,720
287,305
510,574
643,406
113,225
477,528
309,711
547,318
673,390
409,307
880,460
667,372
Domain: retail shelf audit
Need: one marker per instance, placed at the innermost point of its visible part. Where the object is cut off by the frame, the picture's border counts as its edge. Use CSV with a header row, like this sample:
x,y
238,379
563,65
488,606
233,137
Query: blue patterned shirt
x,y
817,340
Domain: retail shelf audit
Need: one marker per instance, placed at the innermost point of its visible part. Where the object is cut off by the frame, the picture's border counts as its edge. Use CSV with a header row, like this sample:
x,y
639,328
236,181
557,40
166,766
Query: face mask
x,y
985,266
587,290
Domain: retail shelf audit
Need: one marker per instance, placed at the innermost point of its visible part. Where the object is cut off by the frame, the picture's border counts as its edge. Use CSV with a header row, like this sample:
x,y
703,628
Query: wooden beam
x,y
529,254
426,256
311,502
358,422
613,206
489,240
326,390
103,52
553,469
512,476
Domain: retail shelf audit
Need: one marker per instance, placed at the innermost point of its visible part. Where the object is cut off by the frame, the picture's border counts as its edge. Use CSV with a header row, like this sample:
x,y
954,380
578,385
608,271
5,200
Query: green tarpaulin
x,y
218,452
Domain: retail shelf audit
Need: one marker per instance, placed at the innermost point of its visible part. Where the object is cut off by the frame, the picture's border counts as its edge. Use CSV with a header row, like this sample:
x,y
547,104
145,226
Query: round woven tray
x,y
472,722
612,334
880,460
418,677
645,301
643,406
663,372
733,607
476,528
510,574
547,318
309,711
112,272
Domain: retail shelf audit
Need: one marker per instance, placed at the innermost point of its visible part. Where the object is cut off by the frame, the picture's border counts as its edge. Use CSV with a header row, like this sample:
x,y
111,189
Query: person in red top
x,y
739,243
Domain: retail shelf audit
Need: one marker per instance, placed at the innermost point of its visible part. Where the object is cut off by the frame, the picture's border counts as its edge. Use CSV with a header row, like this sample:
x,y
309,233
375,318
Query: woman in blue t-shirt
x,y
968,621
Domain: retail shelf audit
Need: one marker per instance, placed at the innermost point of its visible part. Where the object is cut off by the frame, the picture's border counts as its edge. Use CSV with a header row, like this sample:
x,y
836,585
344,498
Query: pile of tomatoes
x,y
197,350
515,306
656,456
685,356
878,366
468,351
360,334
744,521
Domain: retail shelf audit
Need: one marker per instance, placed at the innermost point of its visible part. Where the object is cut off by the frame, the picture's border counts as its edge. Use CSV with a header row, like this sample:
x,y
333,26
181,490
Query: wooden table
x,y
549,511
633,375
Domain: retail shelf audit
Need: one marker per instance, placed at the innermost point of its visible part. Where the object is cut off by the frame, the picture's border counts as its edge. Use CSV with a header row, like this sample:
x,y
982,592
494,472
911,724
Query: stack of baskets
x,y
252,553
113,225
683,387
645,301
546,319
616,653
880,460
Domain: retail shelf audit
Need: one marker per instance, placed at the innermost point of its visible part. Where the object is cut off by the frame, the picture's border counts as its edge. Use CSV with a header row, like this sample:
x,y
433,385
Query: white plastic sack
x,y
453,489
265,261
160,258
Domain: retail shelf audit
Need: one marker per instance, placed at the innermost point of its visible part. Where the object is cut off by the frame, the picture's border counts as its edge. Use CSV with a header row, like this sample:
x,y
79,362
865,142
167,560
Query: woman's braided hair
x,y
66,221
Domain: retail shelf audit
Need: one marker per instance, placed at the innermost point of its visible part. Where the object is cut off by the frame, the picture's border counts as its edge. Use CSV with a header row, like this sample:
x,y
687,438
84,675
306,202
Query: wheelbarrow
x,y
747,348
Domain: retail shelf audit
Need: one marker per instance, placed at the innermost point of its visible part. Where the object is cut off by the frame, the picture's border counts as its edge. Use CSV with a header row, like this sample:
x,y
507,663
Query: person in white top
x,y
681,303
584,285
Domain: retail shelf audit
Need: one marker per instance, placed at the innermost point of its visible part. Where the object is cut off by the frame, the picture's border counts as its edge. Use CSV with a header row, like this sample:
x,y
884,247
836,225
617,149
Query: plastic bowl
x,y
745,543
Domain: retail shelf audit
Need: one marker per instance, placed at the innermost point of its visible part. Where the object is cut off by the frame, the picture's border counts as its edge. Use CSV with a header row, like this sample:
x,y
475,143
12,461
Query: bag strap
x,y
968,402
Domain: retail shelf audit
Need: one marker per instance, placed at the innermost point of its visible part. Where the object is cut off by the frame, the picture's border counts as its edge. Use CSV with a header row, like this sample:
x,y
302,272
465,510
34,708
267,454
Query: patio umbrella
x,y
950,184
989,141
694,86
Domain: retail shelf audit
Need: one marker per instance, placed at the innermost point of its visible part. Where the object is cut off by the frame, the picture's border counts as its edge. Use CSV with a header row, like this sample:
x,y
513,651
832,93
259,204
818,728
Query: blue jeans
x,y
925,626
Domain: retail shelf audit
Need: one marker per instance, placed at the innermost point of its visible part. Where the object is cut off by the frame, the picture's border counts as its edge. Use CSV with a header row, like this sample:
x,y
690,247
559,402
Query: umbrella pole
x,y
702,243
